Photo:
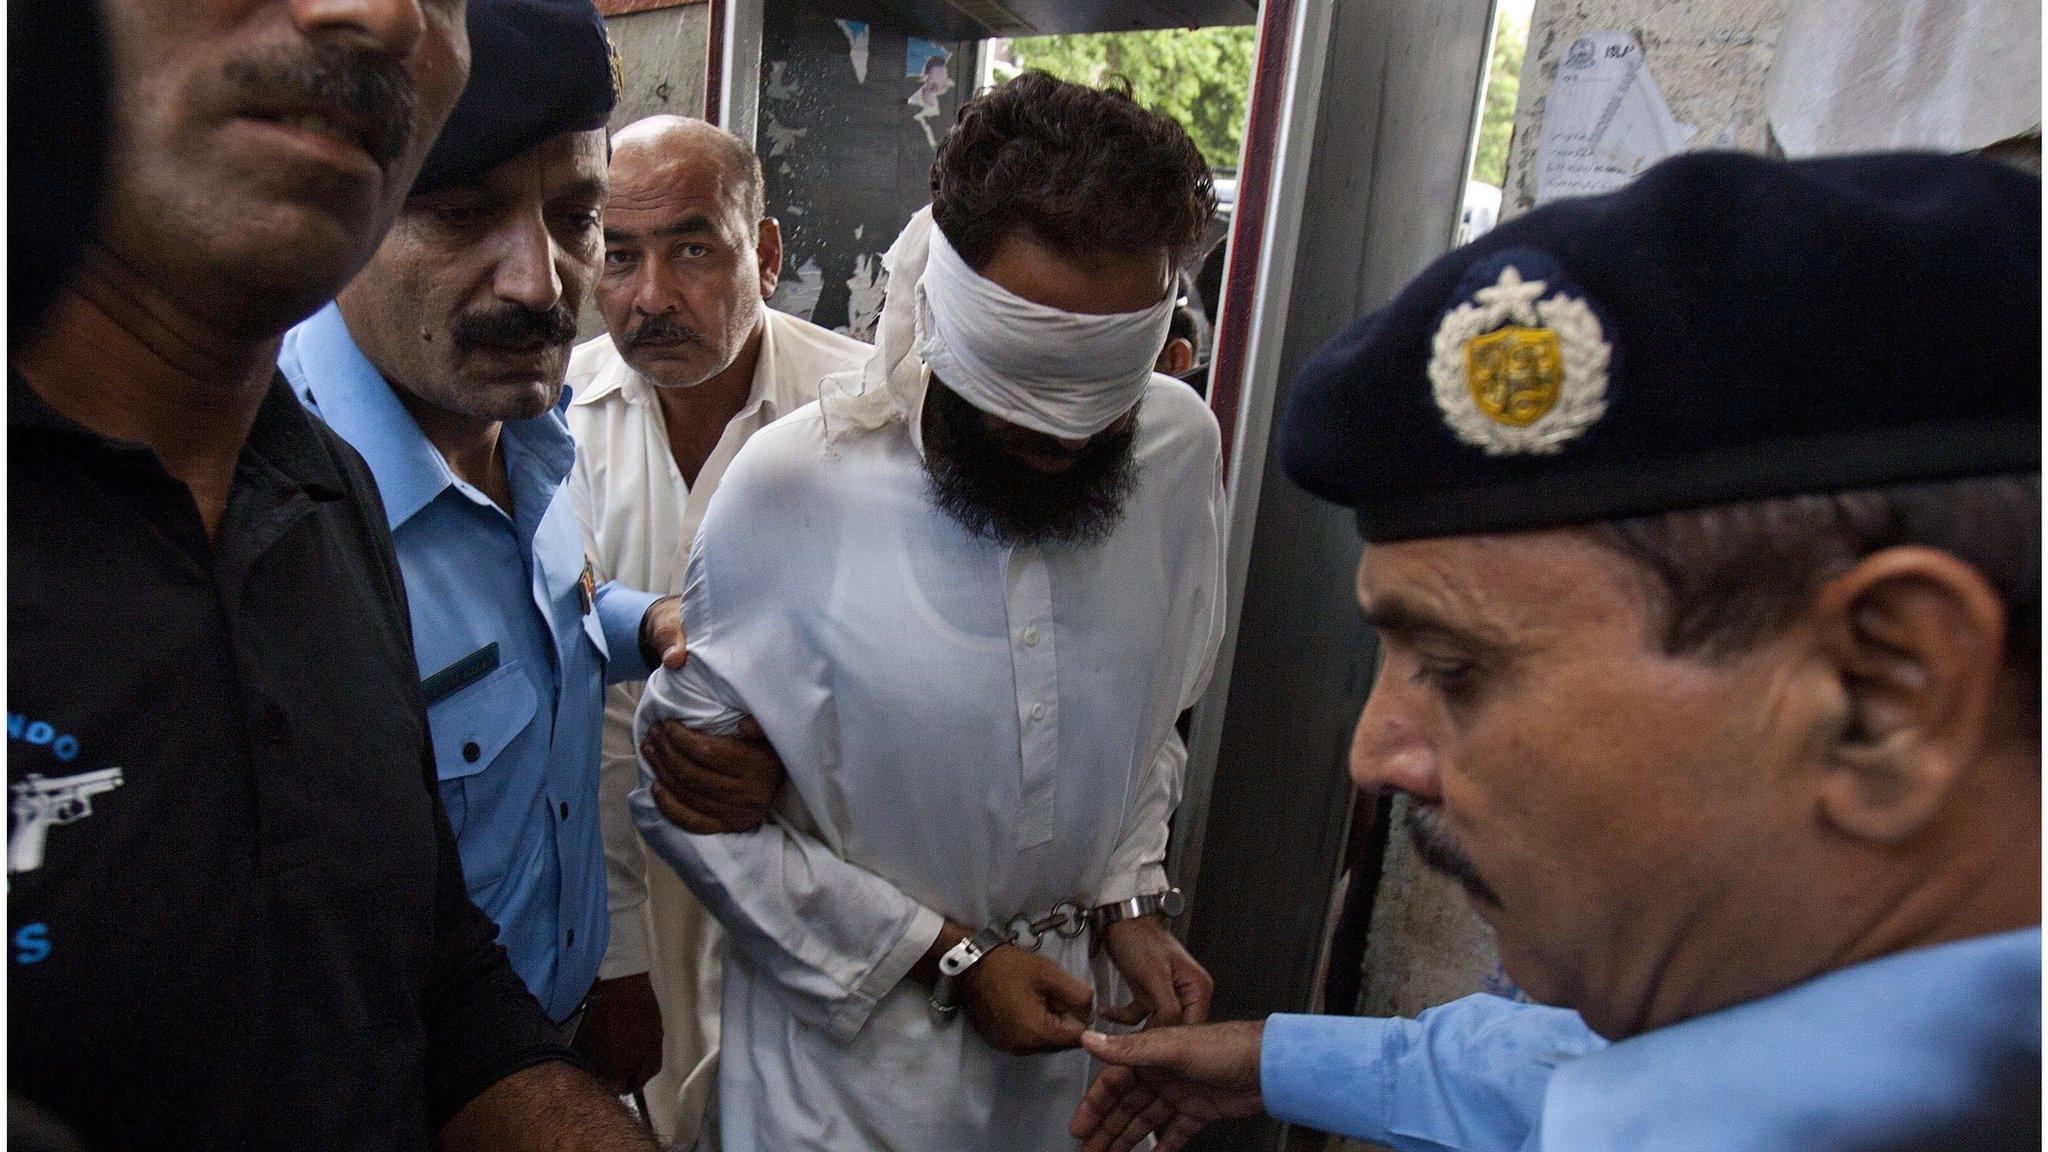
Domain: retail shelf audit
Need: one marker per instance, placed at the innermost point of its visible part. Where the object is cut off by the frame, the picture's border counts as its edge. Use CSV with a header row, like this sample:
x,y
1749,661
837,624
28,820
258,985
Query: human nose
x,y
393,26
527,271
1389,751
652,292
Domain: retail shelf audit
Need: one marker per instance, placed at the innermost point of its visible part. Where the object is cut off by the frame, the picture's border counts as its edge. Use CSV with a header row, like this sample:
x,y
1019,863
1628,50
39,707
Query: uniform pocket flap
x,y
473,725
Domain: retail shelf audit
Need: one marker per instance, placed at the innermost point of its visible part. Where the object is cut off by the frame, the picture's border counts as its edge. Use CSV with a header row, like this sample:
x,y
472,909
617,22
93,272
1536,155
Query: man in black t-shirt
x,y
236,917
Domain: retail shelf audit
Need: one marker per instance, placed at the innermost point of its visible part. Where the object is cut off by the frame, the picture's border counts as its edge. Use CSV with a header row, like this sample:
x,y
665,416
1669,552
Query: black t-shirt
x,y
235,914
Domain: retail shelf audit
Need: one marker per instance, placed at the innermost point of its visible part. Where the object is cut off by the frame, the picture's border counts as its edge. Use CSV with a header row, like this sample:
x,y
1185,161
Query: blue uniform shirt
x,y
1885,1052
517,749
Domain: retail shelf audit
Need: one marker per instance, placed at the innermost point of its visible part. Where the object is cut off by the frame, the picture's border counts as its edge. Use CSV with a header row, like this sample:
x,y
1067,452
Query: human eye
x,y
1455,678
460,215
619,257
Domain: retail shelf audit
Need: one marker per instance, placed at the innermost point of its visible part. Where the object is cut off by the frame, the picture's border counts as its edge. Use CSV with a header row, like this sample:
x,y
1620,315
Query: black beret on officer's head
x,y
537,69
1726,328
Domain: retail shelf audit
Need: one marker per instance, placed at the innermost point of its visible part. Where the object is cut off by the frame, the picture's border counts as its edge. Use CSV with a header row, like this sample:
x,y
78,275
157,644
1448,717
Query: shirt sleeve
x,y
619,608
834,937
619,611
625,864
1138,866
1467,1075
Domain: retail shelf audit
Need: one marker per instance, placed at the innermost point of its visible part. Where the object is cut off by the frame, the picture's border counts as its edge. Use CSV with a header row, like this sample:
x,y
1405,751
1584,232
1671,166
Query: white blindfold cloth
x,y
1061,373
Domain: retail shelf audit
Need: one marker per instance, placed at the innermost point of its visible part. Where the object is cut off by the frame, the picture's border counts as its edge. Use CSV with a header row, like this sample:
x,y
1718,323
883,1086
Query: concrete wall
x,y
1710,57
662,54
662,57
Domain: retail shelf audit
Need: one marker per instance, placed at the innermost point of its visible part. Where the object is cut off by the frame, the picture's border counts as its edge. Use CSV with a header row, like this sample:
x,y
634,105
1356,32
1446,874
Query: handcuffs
x,y
1066,920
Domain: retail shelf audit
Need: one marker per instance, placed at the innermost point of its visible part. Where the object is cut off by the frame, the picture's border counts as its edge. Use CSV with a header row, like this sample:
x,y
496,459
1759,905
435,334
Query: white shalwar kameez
x,y
971,732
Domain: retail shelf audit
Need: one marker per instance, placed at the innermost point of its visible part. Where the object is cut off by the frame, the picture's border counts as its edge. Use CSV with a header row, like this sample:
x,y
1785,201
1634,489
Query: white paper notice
x,y
1605,119
856,46
798,293
1880,75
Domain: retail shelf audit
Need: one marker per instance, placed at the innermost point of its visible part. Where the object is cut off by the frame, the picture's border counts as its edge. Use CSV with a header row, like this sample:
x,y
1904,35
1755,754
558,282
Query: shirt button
x,y
572,937
1038,711
565,809
470,752
1031,637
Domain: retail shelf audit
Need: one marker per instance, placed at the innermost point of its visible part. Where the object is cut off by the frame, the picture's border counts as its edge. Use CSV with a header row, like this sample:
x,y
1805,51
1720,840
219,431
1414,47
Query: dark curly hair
x,y
1083,170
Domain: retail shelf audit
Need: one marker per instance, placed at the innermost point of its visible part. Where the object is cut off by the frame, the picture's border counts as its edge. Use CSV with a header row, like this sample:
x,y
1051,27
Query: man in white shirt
x,y
693,365
965,596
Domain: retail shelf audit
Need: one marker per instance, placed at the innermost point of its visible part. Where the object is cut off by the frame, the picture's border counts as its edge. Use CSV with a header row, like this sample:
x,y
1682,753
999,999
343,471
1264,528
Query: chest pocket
x,y
471,727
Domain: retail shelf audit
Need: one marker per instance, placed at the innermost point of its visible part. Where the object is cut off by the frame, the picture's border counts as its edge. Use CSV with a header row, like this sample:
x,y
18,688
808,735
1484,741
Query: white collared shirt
x,y
971,732
639,513
639,517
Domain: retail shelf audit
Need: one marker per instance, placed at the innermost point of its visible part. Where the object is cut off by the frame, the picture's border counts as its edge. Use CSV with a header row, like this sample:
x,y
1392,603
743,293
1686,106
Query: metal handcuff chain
x,y
1067,919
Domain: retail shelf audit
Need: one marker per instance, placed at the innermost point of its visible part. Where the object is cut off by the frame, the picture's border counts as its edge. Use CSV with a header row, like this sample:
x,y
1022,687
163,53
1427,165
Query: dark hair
x,y
1733,574
1083,170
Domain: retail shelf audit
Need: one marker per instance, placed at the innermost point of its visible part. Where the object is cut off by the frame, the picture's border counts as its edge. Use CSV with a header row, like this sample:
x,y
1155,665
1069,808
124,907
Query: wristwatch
x,y
1168,904
945,997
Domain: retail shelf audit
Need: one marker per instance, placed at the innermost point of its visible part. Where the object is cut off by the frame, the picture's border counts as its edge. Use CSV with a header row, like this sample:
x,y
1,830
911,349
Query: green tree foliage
x,y
1503,84
1200,76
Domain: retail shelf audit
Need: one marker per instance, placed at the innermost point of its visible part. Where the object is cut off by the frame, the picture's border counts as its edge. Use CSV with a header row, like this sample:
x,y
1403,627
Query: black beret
x,y
1725,328
537,69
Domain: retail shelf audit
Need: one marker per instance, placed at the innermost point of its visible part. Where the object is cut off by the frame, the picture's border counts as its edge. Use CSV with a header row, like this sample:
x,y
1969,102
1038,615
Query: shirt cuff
x,y
619,612
1330,1073
626,955
1147,880
853,1012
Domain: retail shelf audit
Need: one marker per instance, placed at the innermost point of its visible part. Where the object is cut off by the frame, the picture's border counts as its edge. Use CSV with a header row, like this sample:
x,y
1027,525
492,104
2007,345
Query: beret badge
x,y
1514,373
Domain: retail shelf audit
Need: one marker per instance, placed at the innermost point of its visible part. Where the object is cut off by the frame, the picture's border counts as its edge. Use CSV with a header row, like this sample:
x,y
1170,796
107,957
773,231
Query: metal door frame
x,y
1375,135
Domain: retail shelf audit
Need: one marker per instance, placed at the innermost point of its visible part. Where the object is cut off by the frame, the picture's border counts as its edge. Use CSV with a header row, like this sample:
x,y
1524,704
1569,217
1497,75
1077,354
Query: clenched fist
x,y
1021,1002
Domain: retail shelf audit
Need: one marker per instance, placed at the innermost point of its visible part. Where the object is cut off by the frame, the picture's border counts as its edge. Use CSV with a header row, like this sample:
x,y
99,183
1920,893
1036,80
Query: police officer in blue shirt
x,y
442,363
1702,531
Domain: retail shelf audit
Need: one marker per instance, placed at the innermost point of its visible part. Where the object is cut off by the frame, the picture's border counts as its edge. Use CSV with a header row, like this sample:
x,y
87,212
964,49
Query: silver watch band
x,y
1168,904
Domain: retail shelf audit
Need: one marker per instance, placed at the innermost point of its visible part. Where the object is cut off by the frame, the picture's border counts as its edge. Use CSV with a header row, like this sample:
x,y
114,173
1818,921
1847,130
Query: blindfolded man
x,y
965,597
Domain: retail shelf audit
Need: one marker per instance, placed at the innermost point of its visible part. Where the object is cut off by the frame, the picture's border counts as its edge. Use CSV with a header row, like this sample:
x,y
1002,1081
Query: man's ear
x,y
769,250
1917,637
1176,358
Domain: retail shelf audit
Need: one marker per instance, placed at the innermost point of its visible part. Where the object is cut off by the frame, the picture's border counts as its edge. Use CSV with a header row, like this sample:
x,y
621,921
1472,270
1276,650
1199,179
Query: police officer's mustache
x,y
661,328
1440,850
366,96
512,328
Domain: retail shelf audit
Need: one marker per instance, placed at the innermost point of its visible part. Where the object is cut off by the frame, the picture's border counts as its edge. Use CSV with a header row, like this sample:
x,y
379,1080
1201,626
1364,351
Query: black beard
x,y
1440,851
994,495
